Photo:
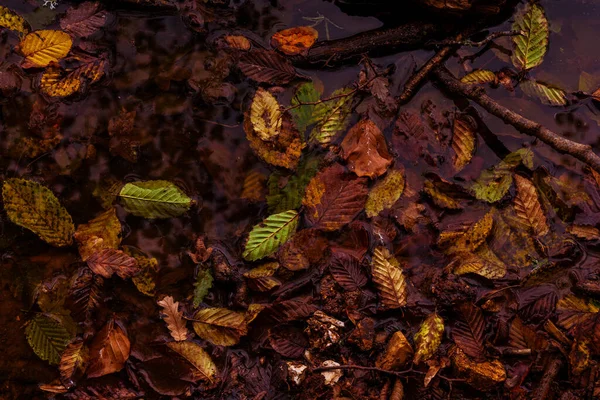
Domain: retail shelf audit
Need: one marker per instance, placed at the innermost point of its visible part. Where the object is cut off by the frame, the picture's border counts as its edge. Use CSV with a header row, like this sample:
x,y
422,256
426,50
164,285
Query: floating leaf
x,y
385,193
102,232
11,20
288,341
332,116
468,332
397,352
530,47
174,318
154,199
73,360
265,115
56,82
84,294
33,206
266,237
428,338
84,20
479,76
528,208
106,262
365,150
261,278
109,350
254,186
204,282
334,198
389,279
47,338
267,66
304,115
220,326
548,95
196,356
295,41
346,270
41,48
463,142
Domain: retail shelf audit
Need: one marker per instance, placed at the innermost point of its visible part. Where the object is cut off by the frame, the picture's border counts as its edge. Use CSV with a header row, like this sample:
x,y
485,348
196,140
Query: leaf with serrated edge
x,y
531,46
109,350
428,338
33,206
174,318
468,332
41,48
439,198
261,278
204,282
254,186
479,76
484,263
196,356
463,142
346,270
84,294
389,279
56,82
266,237
304,114
265,115
548,95
220,326
10,20
84,20
332,117
267,66
154,199
528,208
522,336
47,338
573,311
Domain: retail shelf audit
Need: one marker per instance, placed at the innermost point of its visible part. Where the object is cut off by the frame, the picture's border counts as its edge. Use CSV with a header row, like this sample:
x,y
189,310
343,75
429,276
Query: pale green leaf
x,y
47,338
154,199
546,94
479,76
530,48
332,117
266,237
35,207
304,115
588,83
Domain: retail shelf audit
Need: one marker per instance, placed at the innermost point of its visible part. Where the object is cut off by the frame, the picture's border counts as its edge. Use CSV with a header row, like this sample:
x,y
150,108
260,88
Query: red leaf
x,y
537,303
468,332
84,20
290,310
288,341
267,66
346,271
84,294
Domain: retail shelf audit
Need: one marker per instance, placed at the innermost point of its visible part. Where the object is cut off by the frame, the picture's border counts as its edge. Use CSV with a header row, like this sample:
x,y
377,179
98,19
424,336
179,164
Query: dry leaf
x,y
463,141
220,326
397,353
481,376
41,48
174,318
428,338
106,262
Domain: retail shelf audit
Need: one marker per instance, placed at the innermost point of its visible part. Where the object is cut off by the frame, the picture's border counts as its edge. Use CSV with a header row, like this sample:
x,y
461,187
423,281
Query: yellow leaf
x,y
463,142
548,95
469,240
573,311
102,232
41,48
11,20
482,376
295,40
261,278
586,232
579,357
56,82
254,186
479,76
397,352
440,198
385,193
196,356
428,338
528,208
220,326
389,279
265,115
237,42
484,263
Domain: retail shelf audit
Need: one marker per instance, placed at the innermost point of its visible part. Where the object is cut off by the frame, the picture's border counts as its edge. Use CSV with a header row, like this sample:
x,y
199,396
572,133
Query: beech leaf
x,y
106,262
548,95
468,332
265,115
41,48
365,150
304,115
11,20
295,40
220,326
389,279
332,116
528,207
47,337
267,66
428,338
154,199
109,350
196,356
84,20
266,237
479,76
346,270
73,360
463,142
531,46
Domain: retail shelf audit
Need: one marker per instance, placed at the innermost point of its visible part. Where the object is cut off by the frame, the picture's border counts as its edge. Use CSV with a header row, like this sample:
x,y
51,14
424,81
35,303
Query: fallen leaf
x,y
295,40
463,141
530,47
389,279
397,353
267,66
196,356
528,207
106,262
365,150
481,376
468,332
154,199
101,232
174,318
265,115
41,48
385,193
346,270
479,76
11,20
109,350
428,338
332,116
220,326
47,337
84,20
266,237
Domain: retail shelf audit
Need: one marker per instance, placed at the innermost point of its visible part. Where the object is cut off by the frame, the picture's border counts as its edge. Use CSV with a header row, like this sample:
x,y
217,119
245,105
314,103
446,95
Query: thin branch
x,y
480,43
582,152
362,368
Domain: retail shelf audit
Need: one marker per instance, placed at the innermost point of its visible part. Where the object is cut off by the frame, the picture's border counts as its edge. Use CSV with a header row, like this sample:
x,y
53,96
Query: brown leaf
x,y
334,198
102,232
538,302
463,141
528,207
397,353
261,278
174,318
304,249
106,262
290,310
84,294
237,42
220,326
365,150
468,332
109,350
389,279
346,270
573,311
295,41
73,361
288,341
84,20
579,357
482,376
267,66
522,336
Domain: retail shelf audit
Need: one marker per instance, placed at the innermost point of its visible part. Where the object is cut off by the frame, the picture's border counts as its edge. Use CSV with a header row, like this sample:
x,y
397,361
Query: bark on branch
x,y
582,152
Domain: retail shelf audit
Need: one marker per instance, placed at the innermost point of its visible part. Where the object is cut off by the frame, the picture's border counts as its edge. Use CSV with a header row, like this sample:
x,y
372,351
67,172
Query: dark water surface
x,y
200,143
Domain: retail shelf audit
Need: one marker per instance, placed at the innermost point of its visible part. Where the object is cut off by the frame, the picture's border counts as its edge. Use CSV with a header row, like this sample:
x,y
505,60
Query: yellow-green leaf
x,y
483,262
265,115
220,326
154,199
479,76
389,279
385,193
47,338
304,115
428,338
332,117
196,356
41,48
266,237
11,20
440,198
548,95
102,232
530,47
35,207
204,281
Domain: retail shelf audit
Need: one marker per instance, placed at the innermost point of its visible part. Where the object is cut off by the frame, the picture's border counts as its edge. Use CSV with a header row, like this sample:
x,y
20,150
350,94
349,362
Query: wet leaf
x,y
304,115
266,237
295,40
332,117
33,206
304,249
288,341
334,198
254,186
238,42
468,332
102,232
84,20
479,76
267,66
174,318
530,48
204,282
47,338
548,95
196,356
290,196
579,357
385,193
397,353
109,350
482,376
483,262
365,150
440,198
41,48
585,232
528,207
11,20
84,294
573,311
73,360
346,270
389,279
220,326
463,142
428,338
261,278
265,115
469,240
154,199
106,262
522,336
537,303
56,82
145,279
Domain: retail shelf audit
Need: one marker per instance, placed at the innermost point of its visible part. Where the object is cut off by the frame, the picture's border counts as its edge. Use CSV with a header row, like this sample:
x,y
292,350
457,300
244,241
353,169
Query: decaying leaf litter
x,y
298,239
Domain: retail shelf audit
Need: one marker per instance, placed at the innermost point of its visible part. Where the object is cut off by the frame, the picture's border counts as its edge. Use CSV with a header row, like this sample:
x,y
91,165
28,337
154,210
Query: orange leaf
x,y
295,41
106,262
365,150
109,350
174,318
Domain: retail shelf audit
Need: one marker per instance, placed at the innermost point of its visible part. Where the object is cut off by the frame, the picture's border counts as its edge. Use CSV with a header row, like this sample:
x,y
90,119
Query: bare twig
x,y
582,152
480,43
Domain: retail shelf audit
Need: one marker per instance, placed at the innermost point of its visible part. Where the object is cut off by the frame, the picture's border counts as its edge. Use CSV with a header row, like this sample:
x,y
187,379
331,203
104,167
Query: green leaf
x,y
304,115
332,117
266,237
290,196
530,48
494,183
47,338
154,199
479,76
35,207
204,282
548,95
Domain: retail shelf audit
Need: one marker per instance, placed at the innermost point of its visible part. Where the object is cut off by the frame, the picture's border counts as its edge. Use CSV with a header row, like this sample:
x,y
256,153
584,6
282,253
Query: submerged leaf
x,y
102,232
266,237
73,360
267,66
11,20
389,279
56,82
109,350
385,193
468,332
332,117
196,356
84,20
174,318
254,186
204,282
154,199
549,95
295,41
290,196
106,262
428,338
304,115
33,206
41,48
530,47
463,142
84,294
47,338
